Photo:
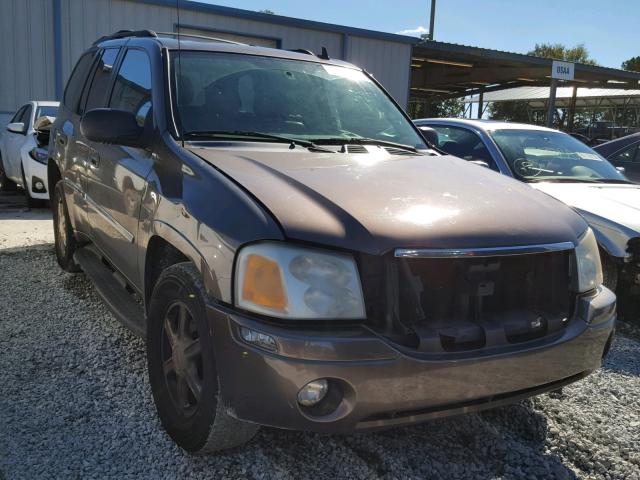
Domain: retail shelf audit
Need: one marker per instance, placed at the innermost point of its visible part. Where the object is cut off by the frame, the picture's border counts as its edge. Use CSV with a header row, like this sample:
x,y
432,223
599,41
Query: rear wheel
x,y
65,241
182,366
6,185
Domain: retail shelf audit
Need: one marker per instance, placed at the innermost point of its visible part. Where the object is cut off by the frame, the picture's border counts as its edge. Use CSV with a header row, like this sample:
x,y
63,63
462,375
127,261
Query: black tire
x,y
610,272
6,185
182,371
65,241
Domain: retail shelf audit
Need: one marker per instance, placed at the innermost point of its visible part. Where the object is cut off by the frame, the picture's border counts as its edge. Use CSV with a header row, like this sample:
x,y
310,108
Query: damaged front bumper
x,y
375,383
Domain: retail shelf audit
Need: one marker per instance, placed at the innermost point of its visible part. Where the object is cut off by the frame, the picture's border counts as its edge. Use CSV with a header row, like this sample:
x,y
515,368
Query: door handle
x,y
94,161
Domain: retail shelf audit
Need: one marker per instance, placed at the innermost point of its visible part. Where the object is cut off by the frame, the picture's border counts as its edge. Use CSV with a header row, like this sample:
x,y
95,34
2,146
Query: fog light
x,y
313,392
258,339
40,185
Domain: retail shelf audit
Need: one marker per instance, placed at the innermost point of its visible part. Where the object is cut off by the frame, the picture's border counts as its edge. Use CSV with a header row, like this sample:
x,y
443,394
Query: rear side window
x,y
77,80
97,96
132,88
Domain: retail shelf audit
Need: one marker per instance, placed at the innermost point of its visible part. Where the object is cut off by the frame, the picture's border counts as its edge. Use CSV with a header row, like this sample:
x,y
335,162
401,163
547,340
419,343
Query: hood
x,y
375,202
617,203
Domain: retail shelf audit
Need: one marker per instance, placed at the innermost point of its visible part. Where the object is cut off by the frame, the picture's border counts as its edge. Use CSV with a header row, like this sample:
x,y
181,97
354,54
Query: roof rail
x,y
203,37
126,34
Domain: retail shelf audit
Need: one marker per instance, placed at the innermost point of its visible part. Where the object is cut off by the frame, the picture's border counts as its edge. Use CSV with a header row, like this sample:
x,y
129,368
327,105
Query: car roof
x,y
486,125
186,43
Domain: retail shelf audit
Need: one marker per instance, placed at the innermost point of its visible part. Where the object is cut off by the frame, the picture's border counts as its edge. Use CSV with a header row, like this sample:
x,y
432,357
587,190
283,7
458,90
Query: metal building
x,y
40,40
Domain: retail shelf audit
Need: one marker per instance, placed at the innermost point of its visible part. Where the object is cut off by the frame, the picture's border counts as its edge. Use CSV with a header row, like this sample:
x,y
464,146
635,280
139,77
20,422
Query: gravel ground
x,y
75,402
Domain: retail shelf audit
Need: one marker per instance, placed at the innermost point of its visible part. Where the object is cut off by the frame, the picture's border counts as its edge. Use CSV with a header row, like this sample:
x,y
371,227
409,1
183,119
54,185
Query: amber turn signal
x,y
262,283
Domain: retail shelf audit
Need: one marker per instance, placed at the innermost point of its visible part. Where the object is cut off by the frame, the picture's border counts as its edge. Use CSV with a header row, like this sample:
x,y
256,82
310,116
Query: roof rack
x,y
203,37
126,34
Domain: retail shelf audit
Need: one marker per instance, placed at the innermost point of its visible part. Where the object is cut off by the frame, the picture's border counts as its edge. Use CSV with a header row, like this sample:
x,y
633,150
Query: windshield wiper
x,y
365,141
560,180
239,133
614,180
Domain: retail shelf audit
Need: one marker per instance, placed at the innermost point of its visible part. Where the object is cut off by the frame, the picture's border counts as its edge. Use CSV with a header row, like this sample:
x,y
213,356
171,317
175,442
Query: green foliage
x,y
578,54
516,111
451,107
267,11
632,64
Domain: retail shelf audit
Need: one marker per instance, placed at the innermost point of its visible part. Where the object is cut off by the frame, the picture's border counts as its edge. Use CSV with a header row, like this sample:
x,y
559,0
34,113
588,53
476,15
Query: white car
x,y
23,162
560,166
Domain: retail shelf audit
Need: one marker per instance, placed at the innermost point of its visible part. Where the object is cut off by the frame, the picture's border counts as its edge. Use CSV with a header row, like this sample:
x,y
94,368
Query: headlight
x,y
588,266
39,155
294,282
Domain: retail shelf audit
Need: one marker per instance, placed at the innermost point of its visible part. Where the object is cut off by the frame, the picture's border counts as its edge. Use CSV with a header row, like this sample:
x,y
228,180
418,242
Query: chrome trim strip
x,y
482,252
100,211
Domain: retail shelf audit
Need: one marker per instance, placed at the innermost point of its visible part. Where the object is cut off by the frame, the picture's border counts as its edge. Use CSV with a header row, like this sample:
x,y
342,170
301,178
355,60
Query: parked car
x,y
563,167
623,153
274,225
23,159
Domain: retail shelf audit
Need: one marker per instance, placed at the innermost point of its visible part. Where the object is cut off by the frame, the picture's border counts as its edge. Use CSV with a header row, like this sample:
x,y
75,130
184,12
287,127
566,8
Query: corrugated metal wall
x,y
27,41
26,53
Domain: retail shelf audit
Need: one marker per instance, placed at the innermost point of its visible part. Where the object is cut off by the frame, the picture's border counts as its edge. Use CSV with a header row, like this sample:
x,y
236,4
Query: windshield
x,y
221,92
46,111
537,155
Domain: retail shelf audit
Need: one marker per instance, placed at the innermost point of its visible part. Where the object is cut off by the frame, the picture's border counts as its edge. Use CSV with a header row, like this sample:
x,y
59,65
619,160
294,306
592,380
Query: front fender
x,y
612,237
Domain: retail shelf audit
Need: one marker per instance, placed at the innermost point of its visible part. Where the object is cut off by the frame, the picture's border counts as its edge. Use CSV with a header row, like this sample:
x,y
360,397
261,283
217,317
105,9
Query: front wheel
x,y
65,241
609,271
182,367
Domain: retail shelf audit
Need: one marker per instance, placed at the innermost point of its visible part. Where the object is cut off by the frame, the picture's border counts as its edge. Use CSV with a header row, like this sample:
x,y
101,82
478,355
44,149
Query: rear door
x,y
117,173
66,145
629,159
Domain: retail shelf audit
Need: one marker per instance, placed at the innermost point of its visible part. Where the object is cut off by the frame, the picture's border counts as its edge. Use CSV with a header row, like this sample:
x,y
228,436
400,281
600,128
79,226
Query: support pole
x,y
552,102
432,19
481,103
572,109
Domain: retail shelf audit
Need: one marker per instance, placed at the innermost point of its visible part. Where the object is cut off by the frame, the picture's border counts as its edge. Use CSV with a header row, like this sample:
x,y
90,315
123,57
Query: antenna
x,y
179,76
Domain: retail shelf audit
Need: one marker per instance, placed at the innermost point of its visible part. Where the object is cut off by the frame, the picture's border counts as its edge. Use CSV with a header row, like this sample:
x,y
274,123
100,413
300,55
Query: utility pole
x,y
432,19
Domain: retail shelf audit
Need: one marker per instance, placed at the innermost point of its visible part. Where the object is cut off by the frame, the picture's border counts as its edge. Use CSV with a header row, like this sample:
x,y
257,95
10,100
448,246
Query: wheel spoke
x,y
182,392
193,382
183,321
193,349
170,332
168,366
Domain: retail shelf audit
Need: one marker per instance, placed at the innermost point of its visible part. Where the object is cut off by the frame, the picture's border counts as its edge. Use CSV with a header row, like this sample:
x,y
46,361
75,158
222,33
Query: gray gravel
x,y
75,402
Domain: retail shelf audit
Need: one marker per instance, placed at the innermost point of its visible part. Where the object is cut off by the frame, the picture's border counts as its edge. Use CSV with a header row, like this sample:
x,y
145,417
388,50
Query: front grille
x,y
448,305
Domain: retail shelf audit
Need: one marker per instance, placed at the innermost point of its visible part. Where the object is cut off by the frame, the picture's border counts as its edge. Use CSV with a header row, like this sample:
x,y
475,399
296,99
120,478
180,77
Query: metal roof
x,y
537,97
445,70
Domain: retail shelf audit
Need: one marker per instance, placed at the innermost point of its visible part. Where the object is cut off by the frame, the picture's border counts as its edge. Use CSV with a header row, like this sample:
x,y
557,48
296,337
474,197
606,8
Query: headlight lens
x,y
294,282
589,268
39,155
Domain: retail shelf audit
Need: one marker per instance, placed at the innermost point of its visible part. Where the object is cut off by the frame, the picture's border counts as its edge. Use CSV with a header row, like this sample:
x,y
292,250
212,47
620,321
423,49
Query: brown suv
x,y
295,255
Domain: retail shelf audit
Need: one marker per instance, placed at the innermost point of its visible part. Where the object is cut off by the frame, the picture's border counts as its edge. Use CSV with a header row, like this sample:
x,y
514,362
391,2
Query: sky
x,y
610,29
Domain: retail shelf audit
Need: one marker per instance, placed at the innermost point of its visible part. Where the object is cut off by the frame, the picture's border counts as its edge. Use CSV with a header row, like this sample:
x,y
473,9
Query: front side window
x,y
132,89
464,144
46,111
629,154
539,155
219,92
97,96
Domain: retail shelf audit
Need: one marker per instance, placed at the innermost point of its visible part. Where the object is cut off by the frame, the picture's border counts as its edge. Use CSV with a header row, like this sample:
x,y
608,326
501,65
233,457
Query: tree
x,y
449,108
515,111
632,64
578,54
267,11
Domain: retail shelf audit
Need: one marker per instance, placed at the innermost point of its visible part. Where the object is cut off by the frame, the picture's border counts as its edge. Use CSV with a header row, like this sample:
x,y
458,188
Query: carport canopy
x,y
447,70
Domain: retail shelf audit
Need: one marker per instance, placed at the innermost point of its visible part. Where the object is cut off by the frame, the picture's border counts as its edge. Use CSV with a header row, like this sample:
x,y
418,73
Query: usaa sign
x,y
562,70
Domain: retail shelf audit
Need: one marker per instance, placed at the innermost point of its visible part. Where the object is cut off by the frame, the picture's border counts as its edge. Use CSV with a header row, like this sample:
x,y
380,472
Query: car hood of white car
x,y
619,203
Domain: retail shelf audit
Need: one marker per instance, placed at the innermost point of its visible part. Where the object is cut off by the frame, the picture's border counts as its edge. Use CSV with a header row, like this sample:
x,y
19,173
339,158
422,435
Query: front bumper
x,y
381,385
35,171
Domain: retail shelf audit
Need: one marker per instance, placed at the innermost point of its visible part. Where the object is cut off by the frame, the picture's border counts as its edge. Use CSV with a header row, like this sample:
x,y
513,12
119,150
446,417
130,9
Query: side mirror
x,y
16,127
118,127
621,169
